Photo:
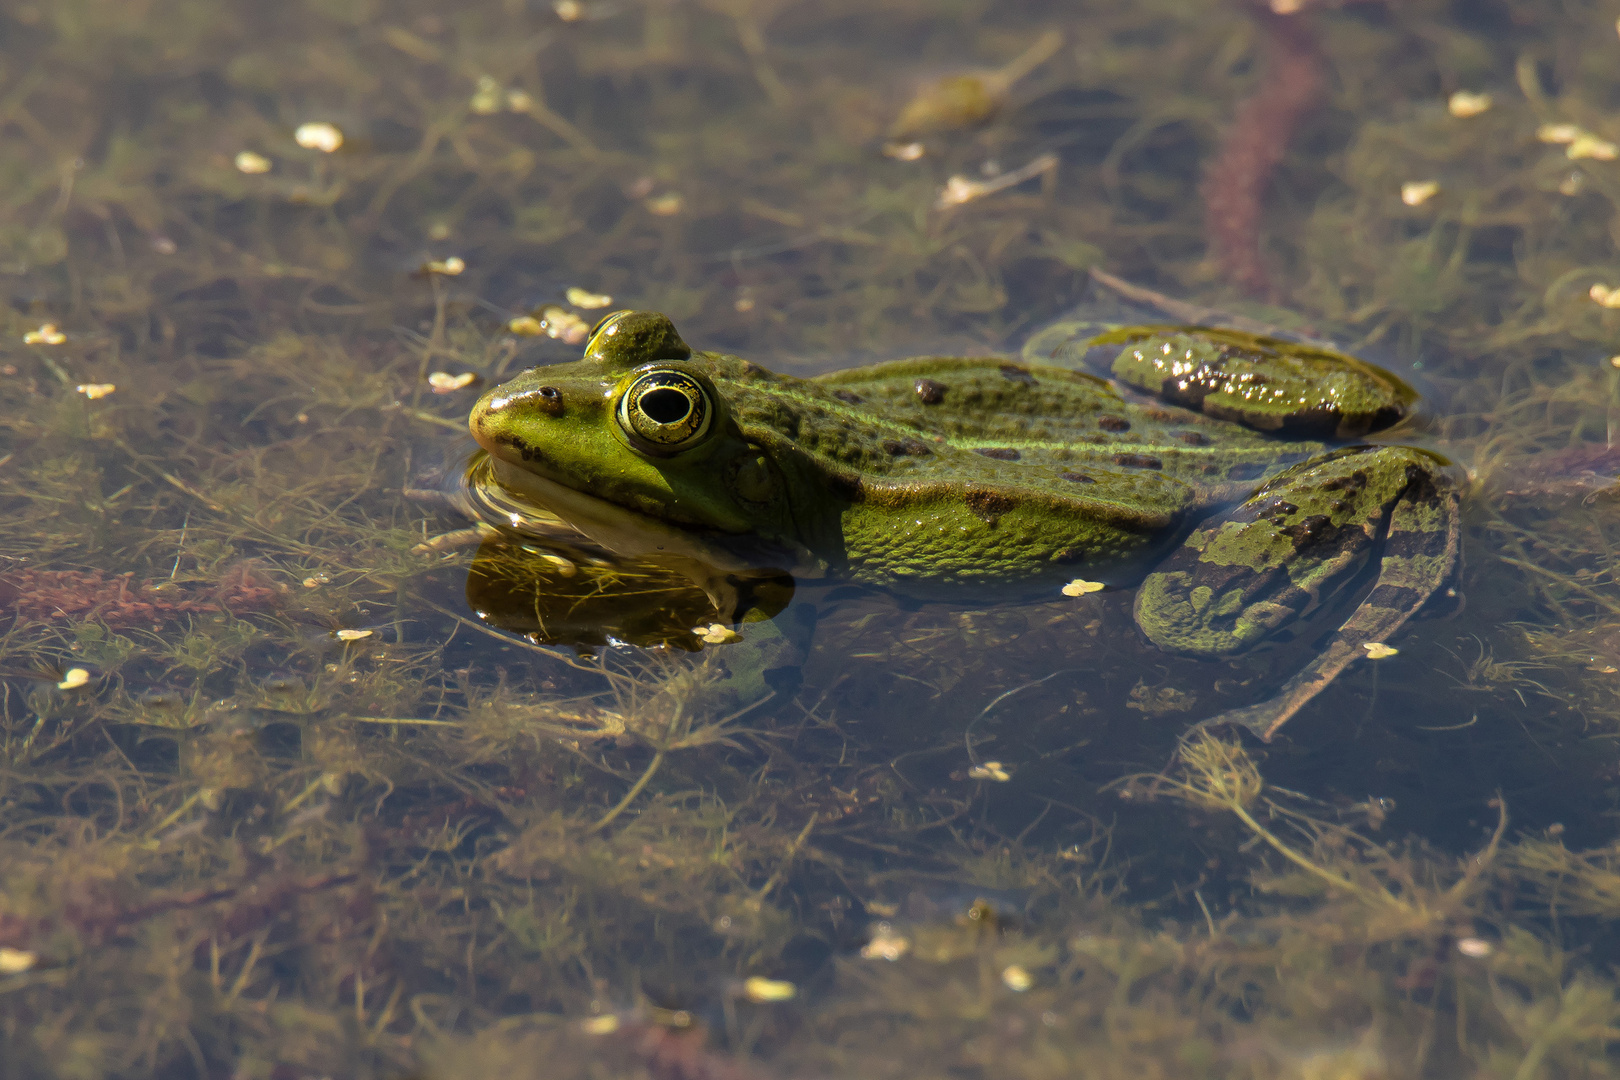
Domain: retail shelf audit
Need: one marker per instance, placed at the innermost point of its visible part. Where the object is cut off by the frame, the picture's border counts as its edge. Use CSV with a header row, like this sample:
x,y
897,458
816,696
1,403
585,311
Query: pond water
x,y
302,777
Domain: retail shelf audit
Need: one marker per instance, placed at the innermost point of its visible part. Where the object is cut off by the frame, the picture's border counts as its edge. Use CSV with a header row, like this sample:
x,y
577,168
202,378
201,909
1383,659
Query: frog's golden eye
x,y
665,412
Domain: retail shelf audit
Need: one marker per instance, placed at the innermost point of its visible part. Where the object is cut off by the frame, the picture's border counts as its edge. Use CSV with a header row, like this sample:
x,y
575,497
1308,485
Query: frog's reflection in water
x,y
551,600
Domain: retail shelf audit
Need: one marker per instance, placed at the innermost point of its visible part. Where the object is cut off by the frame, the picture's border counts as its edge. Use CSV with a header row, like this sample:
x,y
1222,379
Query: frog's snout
x,y
499,419
546,400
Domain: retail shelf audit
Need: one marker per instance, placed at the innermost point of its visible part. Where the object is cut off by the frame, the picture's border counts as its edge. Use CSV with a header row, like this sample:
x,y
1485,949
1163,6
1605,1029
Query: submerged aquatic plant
x,y
274,804
1237,178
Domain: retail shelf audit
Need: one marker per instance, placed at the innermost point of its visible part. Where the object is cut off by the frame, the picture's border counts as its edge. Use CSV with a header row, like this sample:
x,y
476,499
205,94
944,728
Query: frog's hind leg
x,y
1406,580
1288,548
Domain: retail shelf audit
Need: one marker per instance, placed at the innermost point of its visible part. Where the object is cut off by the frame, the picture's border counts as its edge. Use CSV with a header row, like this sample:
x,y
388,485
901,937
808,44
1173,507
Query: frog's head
x,y
634,445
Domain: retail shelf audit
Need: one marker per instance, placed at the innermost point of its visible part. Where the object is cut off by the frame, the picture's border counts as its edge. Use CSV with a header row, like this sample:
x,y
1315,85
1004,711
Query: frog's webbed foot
x,y
1284,552
767,662
455,540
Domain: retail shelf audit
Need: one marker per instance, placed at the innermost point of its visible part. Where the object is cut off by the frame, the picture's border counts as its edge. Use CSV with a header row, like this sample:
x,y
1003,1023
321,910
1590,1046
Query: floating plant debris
x,y
450,267
561,323
443,382
303,775
73,678
1587,145
1604,295
1016,978
666,205
1418,192
762,990
584,298
16,961
319,135
488,99
960,190
251,163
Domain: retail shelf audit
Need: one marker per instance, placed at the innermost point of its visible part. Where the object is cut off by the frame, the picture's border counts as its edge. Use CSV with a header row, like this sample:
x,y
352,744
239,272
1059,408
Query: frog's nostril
x,y
550,400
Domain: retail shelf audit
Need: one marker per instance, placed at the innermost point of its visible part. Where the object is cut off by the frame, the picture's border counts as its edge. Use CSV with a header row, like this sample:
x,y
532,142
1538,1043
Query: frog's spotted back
x,y
1053,422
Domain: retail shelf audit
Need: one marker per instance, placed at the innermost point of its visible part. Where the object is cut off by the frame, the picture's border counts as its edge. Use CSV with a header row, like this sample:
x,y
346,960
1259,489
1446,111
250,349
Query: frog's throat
x,y
700,554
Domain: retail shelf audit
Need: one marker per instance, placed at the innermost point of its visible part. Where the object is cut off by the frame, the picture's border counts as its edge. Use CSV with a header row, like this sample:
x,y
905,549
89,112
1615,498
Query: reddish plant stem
x,y
98,924
1237,178
121,601
682,1054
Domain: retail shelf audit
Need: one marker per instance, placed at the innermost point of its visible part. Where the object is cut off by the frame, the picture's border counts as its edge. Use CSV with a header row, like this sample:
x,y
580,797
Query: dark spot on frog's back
x,y
1193,438
1411,544
1000,453
1311,531
1421,487
988,505
1355,482
1398,597
848,397
1138,461
1077,478
1017,374
930,392
1113,423
907,447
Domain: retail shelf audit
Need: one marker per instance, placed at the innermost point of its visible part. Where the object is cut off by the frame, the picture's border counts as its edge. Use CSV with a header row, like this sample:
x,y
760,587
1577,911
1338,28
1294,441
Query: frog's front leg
x,y
766,663
1288,548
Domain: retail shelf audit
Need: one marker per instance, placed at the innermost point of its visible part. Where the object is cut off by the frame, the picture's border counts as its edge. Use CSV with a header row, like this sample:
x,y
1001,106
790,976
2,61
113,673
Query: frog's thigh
x,y
1282,553
1419,555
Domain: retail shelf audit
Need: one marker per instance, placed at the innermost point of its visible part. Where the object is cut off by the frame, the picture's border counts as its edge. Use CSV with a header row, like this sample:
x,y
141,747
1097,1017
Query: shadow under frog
x,y
1218,472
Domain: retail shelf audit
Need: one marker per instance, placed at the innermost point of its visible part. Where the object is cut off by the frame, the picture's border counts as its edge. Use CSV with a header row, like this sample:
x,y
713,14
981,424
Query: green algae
x,y
304,815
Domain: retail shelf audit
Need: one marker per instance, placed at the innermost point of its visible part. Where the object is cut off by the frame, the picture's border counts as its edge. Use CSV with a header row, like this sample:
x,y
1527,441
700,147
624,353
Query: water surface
x,y
275,802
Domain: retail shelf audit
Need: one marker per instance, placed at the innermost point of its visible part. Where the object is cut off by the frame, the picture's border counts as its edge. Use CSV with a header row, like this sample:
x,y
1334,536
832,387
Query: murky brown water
x,y
276,803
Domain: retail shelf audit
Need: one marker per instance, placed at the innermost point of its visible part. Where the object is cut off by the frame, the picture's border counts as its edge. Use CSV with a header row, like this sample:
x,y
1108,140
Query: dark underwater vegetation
x,y
292,786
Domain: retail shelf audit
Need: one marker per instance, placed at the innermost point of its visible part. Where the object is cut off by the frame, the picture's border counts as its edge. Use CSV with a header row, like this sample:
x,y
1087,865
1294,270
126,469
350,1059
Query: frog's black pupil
x,y
665,406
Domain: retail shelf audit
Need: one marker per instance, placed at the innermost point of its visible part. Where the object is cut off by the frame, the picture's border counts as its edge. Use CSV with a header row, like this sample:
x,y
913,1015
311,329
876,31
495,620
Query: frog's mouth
x,y
706,556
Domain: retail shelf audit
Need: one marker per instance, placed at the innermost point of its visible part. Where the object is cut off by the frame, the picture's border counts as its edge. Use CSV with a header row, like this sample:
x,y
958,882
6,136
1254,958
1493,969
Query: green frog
x,y
1218,468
